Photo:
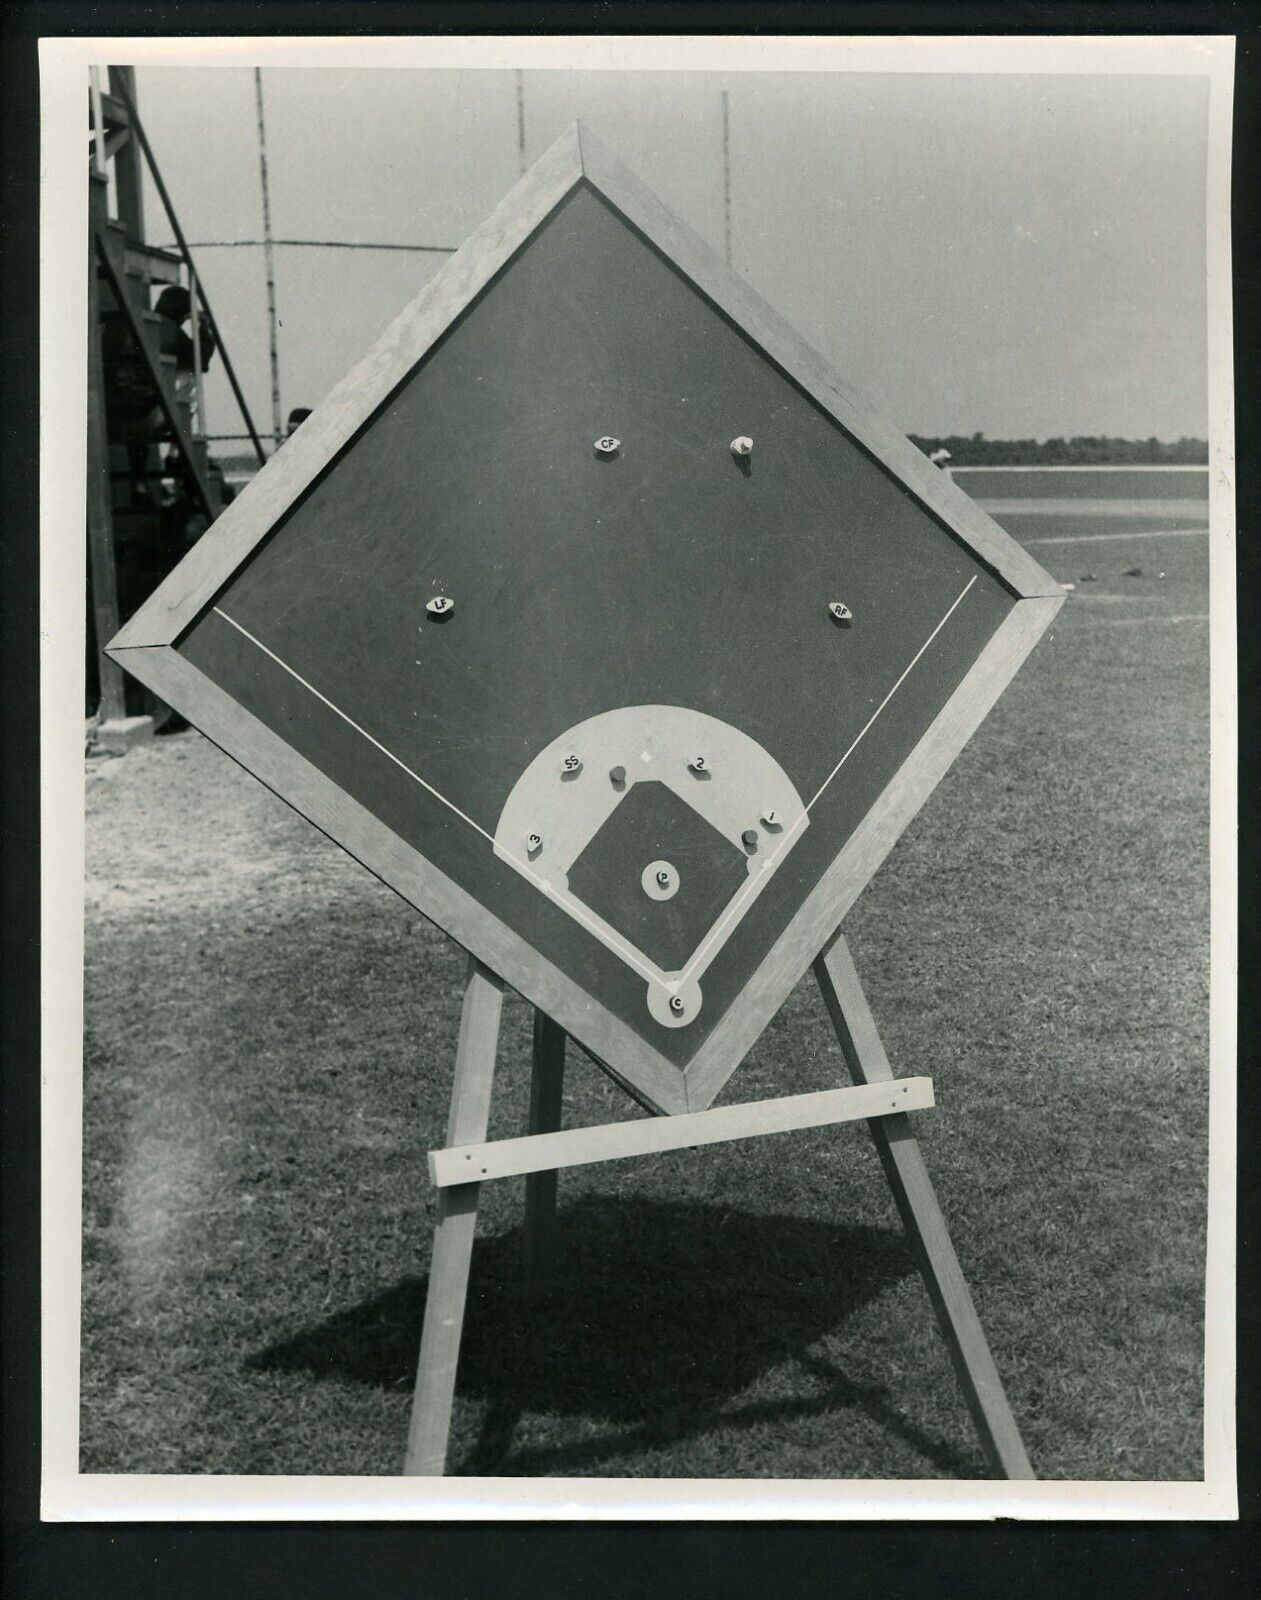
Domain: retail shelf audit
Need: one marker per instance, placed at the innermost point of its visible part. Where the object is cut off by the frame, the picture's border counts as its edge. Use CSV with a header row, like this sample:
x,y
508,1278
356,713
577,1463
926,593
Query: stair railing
x,y
197,292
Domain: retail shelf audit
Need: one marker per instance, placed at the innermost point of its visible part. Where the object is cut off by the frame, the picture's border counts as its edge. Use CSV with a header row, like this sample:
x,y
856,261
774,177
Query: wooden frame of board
x,y
145,646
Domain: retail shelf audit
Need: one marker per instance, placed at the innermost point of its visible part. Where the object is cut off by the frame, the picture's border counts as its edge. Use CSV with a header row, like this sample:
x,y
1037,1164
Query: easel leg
x,y
453,1231
921,1216
546,1089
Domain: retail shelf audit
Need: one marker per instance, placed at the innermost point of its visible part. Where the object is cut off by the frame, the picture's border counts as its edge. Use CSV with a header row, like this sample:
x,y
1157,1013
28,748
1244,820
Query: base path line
x,y
1103,538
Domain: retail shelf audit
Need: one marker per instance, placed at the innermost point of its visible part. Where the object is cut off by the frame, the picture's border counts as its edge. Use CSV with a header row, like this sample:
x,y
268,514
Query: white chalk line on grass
x,y
1149,621
1088,469
1104,538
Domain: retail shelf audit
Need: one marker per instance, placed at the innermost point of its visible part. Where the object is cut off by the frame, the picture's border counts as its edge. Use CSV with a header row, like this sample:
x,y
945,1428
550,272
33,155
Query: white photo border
x,y
67,1494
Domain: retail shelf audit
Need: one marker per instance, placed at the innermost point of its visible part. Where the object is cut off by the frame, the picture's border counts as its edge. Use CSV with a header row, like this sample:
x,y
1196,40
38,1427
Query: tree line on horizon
x,y
1084,450
975,450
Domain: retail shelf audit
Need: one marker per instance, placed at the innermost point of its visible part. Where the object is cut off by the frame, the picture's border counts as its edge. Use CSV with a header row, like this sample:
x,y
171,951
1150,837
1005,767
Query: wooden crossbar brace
x,y
878,1097
577,1147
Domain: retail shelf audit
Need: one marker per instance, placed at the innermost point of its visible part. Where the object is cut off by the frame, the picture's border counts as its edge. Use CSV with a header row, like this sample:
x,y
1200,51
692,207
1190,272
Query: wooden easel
x,y
467,1161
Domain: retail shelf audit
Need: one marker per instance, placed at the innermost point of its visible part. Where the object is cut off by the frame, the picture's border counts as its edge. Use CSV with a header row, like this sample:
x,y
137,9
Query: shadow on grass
x,y
661,1315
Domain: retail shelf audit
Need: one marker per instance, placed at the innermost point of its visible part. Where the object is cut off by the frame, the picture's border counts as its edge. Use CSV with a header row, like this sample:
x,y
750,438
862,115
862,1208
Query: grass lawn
x,y
270,1039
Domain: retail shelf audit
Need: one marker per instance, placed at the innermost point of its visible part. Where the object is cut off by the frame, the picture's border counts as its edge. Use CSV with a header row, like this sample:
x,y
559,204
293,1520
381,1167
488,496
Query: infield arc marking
x,y
659,984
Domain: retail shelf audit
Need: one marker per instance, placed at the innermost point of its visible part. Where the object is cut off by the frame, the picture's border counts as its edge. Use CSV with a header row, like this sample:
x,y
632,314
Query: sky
x,y
1020,255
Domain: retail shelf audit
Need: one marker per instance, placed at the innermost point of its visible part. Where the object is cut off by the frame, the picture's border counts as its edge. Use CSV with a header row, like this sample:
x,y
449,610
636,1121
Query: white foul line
x,y
754,884
892,691
351,723
607,937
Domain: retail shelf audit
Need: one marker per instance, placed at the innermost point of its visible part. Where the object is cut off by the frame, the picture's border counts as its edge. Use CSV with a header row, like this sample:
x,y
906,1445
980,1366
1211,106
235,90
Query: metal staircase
x,y
153,488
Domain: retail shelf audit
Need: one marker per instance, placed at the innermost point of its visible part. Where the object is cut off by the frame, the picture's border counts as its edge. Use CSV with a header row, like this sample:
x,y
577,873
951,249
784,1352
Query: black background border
x,y
380,1560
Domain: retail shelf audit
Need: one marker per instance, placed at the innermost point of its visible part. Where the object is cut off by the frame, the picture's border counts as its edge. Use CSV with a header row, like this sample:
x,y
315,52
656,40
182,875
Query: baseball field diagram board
x,y
597,616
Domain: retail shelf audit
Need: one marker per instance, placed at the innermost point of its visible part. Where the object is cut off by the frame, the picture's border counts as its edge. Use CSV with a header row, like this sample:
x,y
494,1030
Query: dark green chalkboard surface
x,y
636,736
